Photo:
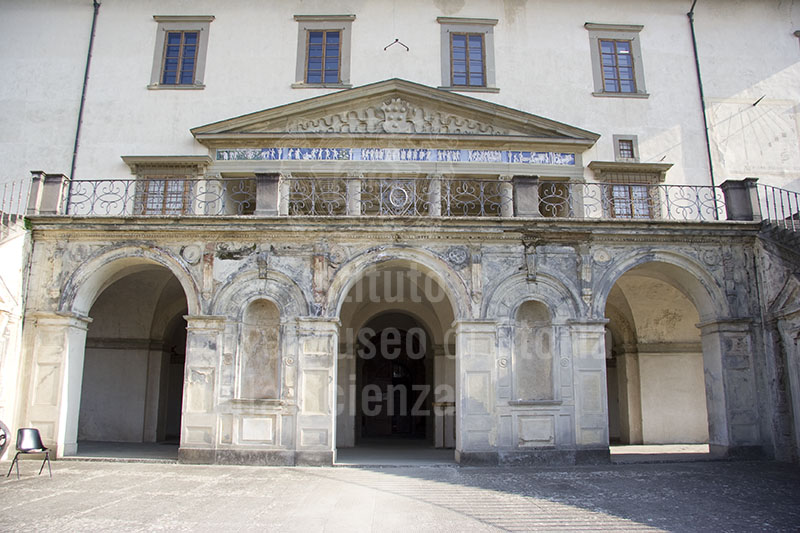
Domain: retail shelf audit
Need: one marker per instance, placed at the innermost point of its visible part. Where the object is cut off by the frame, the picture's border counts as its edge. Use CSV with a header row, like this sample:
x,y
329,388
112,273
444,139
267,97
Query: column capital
x,y
475,326
46,318
725,325
201,322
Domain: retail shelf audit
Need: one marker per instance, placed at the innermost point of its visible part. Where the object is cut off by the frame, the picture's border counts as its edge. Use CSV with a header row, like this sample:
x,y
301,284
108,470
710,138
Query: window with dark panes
x,y
631,201
626,149
180,58
323,56
168,196
467,63
617,62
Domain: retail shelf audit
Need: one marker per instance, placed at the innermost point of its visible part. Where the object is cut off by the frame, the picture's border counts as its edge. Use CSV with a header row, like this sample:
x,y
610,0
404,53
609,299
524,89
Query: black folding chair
x,y
29,441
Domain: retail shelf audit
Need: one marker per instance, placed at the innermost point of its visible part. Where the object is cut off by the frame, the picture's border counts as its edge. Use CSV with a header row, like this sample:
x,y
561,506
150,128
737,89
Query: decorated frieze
x,y
396,154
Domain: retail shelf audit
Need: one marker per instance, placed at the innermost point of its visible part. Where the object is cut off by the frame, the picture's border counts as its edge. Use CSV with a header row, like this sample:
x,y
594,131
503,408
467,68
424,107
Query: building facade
x,y
520,230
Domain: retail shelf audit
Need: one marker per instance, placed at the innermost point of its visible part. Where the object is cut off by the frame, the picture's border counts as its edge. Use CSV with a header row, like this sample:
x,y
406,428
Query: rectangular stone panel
x,y
477,440
46,382
536,430
478,393
200,390
199,435
47,430
260,429
591,392
315,391
313,437
225,429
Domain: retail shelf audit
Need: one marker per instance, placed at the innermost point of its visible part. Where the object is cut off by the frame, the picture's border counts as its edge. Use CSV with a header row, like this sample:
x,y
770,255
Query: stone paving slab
x,y
113,496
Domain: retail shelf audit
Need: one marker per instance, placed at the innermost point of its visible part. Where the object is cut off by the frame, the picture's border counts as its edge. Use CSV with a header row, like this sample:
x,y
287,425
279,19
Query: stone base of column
x,y
738,453
227,456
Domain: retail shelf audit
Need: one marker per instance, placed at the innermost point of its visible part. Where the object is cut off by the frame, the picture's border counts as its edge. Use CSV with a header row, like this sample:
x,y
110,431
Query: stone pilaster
x,y
318,341
589,377
730,385
56,373
204,337
476,348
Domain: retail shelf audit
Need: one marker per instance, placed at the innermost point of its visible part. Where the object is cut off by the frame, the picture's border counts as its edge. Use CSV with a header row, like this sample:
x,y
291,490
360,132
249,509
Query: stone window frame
x,y
632,176
620,32
166,169
634,139
468,25
307,23
168,23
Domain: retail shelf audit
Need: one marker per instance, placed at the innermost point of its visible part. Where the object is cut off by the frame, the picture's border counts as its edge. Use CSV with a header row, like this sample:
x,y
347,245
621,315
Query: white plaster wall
x,y
14,252
113,395
542,66
673,398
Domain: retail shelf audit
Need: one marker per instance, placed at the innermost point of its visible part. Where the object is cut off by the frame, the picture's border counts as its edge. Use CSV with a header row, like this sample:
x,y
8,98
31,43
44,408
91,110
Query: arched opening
x,y
655,362
396,368
133,366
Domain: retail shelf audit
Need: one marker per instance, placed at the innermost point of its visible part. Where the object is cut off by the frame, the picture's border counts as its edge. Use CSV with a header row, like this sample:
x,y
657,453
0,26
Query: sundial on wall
x,y
756,138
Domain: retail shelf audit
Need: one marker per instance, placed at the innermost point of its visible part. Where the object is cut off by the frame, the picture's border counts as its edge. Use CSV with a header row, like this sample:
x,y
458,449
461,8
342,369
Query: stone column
x,y
741,199
789,330
266,195
318,341
353,195
346,395
476,349
435,195
199,418
48,193
444,397
526,196
591,400
55,377
630,397
730,386
284,186
507,197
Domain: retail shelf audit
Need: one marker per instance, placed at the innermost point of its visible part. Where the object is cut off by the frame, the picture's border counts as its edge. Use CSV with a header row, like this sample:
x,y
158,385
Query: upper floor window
x,y
180,53
626,148
466,59
180,58
616,60
468,54
323,51
617,66
323,56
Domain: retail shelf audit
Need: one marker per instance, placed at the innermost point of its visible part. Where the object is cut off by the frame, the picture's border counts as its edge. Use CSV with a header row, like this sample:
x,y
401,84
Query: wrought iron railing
x,y
13,204
780,207
415,197
631,201
394,197
171,197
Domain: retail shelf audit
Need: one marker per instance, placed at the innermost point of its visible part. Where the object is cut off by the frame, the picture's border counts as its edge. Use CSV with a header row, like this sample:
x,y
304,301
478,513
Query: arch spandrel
x,y
112,263
246,286
437,269
502,303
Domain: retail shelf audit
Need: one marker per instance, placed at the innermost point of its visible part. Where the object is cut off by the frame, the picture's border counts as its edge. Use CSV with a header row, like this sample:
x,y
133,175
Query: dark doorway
x,y
393,386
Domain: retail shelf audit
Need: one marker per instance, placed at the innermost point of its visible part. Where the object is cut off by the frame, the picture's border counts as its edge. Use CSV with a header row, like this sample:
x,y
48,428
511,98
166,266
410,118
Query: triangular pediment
x,y
394,107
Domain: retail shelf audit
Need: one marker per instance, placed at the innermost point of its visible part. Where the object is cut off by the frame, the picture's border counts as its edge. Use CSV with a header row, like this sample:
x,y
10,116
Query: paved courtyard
x,y
124,496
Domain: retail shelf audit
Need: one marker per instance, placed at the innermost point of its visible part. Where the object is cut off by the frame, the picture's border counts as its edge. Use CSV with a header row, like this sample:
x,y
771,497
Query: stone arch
x,y
112,263
681,271
233,298
430,264
504,301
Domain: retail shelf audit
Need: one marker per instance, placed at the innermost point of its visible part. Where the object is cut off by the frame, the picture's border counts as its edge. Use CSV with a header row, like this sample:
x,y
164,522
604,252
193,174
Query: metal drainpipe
x,y
96,6
690,14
